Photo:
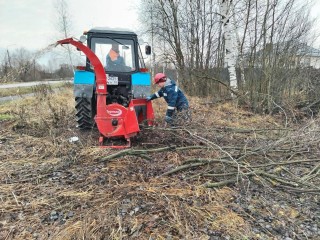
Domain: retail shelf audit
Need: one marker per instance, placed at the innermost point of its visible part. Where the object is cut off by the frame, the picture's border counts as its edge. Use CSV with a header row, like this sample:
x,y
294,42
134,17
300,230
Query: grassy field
x,y
26,90
230,174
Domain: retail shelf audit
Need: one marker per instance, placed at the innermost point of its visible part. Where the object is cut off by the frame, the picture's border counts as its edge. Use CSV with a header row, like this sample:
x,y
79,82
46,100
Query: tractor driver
x,y
178,106
114,62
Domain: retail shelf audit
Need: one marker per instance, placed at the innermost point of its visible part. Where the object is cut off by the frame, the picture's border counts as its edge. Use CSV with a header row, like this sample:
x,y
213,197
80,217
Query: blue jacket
x,y
173,96
118,61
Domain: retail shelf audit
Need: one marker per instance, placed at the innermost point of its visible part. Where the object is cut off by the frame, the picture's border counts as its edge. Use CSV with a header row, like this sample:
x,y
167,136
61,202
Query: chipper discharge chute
x,y
110,90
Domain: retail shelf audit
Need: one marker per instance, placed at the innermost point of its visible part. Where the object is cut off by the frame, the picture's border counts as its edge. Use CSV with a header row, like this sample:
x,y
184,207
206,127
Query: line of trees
x,y
263,39
21,65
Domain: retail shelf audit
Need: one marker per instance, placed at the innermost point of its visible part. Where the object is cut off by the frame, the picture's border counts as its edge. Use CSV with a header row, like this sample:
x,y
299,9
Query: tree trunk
x,y
230,49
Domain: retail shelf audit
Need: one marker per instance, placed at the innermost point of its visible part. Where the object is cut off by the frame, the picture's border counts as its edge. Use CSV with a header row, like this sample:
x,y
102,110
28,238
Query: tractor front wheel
x,y
86,111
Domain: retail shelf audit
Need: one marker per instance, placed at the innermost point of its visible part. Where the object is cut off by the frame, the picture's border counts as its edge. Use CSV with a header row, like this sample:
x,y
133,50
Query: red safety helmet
x,y
159,77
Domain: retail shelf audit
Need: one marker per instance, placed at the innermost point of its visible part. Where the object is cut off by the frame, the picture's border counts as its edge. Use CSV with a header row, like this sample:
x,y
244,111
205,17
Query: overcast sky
x,y
33,23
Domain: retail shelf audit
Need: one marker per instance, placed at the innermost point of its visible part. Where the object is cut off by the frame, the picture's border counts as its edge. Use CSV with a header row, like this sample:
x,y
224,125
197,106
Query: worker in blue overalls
x,y
178,105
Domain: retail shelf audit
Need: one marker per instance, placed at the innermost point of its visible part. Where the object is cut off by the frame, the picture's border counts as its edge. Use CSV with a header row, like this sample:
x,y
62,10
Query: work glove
x,y
148,98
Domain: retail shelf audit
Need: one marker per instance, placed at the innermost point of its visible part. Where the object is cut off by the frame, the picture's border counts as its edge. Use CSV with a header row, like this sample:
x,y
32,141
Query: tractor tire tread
x,y
84,113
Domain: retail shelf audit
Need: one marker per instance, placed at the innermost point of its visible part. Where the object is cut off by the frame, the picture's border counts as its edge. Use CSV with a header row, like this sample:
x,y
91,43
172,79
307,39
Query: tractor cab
x,y
117,55
121,56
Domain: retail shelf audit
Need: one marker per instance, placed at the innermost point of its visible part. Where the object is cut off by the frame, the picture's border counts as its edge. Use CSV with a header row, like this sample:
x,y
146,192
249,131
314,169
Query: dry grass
x,y
5,92
53,189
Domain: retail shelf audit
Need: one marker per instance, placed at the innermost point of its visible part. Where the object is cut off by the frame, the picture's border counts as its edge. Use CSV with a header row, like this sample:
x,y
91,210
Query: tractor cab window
x,y
116,55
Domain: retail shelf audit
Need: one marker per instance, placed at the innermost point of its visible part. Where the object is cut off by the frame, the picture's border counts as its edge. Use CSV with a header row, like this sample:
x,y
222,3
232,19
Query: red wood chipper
x,y
111,88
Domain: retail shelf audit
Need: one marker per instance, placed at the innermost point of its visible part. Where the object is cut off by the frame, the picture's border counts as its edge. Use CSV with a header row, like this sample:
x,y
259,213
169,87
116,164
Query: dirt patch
x,y
229,174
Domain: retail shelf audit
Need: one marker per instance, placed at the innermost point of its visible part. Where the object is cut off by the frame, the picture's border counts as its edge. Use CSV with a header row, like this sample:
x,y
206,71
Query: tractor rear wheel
x,y
86,110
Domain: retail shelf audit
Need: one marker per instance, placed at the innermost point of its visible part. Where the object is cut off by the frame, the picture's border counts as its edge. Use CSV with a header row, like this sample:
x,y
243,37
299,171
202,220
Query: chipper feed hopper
x,y
109,95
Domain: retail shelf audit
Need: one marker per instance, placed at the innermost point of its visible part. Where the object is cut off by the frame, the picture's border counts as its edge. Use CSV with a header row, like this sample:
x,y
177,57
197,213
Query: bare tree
x,y
185,34
258,41
6,66
64,24
230,45
272,34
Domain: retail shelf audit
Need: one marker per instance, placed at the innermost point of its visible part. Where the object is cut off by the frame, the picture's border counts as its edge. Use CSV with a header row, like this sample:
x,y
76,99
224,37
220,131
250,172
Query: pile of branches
x,y
290,162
